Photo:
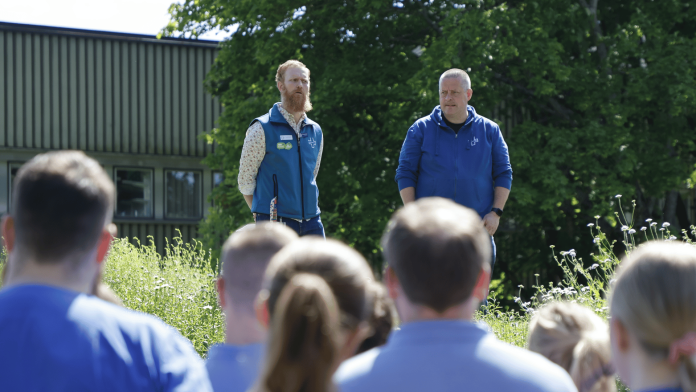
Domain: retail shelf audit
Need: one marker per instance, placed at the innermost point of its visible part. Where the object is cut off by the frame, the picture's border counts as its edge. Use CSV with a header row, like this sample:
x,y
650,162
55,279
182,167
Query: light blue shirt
x,y
234,368
449,356
52,340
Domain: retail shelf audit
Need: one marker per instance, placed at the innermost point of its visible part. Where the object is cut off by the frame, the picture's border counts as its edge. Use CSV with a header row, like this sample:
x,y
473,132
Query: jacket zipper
x,y
456,158
299,154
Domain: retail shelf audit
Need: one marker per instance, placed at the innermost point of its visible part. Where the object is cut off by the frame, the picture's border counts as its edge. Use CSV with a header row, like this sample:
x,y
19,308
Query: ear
x,y
620,334
105,243
392,283
482,283
220,287
8,232
281,86
469,94
261,307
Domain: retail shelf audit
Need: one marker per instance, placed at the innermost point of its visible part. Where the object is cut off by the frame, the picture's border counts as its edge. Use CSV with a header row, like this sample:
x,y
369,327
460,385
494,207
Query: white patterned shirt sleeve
x,y
321,150
253,152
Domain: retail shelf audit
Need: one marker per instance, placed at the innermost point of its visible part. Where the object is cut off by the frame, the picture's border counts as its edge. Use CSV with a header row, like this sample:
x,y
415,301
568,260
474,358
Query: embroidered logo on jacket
x,y
312,142
284,146
473,142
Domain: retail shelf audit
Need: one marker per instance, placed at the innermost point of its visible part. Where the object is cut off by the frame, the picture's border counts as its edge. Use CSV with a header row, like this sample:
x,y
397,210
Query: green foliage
x,y
179,288
603,101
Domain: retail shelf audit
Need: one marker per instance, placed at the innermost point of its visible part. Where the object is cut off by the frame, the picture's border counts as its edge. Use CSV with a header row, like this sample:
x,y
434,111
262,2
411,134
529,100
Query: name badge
x,y
303,134
285,137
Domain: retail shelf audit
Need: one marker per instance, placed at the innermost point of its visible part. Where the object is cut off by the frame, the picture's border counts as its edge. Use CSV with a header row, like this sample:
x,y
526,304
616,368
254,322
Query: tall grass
x,y
178,287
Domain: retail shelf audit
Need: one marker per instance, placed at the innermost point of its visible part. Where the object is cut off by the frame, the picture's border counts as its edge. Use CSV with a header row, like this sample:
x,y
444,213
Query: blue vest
x,y
292,160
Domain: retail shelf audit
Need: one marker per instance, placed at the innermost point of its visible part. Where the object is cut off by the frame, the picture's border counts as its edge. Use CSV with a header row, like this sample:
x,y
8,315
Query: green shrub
x,y
178,287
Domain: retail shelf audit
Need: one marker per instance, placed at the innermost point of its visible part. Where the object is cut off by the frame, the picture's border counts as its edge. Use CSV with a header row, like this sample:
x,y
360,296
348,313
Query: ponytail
x,y
303,345
590,369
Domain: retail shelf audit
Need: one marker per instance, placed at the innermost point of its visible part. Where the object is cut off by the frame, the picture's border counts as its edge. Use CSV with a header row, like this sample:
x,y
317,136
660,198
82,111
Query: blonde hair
x,y
576,339
654,297
316,290
280,74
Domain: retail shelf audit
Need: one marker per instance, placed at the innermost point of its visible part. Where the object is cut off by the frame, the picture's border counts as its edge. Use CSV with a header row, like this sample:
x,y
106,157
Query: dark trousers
x,y
306,227
485,301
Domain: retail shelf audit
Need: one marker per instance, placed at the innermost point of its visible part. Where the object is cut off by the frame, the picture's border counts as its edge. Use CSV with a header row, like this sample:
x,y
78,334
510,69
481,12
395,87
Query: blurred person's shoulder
x,y
450,356
522,369
40,324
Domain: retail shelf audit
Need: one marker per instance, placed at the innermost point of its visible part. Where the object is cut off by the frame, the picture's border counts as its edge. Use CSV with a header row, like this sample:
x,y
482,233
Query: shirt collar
x,y
436,331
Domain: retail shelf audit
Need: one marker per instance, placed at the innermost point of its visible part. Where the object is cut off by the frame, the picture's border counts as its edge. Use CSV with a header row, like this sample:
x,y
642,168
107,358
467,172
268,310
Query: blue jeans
x,y
307,227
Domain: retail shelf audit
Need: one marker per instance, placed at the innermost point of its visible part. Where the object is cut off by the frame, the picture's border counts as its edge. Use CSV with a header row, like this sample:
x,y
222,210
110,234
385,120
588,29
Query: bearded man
x,y
281,156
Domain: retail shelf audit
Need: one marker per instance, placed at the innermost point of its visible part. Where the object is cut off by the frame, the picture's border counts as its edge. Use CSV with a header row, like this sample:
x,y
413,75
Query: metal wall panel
x,y
162,233
104,95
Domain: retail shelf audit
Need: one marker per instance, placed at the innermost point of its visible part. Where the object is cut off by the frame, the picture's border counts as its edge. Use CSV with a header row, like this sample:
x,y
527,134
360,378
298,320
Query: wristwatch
x,y
497,211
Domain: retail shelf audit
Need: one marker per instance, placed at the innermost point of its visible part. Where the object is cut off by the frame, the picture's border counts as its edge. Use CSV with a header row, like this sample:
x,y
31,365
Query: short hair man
x,y
54,335
281,156
457,154
437,253
234,366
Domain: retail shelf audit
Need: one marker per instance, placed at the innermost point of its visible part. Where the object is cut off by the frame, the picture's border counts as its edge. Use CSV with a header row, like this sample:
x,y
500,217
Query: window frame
x,y
152,192
164,194
10,185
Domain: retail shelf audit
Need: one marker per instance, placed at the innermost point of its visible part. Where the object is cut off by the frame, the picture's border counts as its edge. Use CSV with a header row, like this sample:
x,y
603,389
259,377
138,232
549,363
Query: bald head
x,y
245,257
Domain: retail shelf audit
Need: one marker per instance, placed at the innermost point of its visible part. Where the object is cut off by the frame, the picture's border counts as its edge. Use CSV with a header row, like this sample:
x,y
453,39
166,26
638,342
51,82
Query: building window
x,y
13,168
133,193
218,177
184,194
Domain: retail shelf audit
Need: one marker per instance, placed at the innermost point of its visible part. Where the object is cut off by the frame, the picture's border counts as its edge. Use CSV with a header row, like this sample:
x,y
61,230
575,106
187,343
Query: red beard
x,y
295,103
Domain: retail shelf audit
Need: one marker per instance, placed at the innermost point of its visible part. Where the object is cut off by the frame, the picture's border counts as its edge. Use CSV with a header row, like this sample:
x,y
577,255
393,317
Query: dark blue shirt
x,y
52,339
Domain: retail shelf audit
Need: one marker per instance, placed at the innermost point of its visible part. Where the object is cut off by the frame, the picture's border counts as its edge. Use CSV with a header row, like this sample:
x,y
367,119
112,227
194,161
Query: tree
x,y
602,97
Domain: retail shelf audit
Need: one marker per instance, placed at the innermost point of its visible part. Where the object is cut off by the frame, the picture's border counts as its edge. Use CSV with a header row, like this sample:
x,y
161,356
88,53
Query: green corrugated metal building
x,y
134,103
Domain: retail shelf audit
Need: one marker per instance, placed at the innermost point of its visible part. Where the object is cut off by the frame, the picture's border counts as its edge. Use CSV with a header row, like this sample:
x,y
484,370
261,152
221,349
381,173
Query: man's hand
x,y
490,222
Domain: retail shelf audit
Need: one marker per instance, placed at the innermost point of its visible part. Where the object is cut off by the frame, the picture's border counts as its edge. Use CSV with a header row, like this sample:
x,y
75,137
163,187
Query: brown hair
x,y
575,338
61,203
382,319
306,318
437,248
245,256
280,74
654,297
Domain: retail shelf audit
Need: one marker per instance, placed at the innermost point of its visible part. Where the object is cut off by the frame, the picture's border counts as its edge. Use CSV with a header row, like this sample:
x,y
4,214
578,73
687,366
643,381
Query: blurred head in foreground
x,y
382,319
245,256
653,317
438,257
317,297
58,229
575,338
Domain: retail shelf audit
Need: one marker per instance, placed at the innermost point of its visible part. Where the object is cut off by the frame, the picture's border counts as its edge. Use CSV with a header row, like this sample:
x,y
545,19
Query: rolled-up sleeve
x,y
253,152
409,159
502,170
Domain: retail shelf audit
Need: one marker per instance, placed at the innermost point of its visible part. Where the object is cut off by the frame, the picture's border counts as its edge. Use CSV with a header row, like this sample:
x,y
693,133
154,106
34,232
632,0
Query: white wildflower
x,y
590,224
594,266
643,228
653,224
624,228
666,224
596,216
649,220
618,196
632,231
672,238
